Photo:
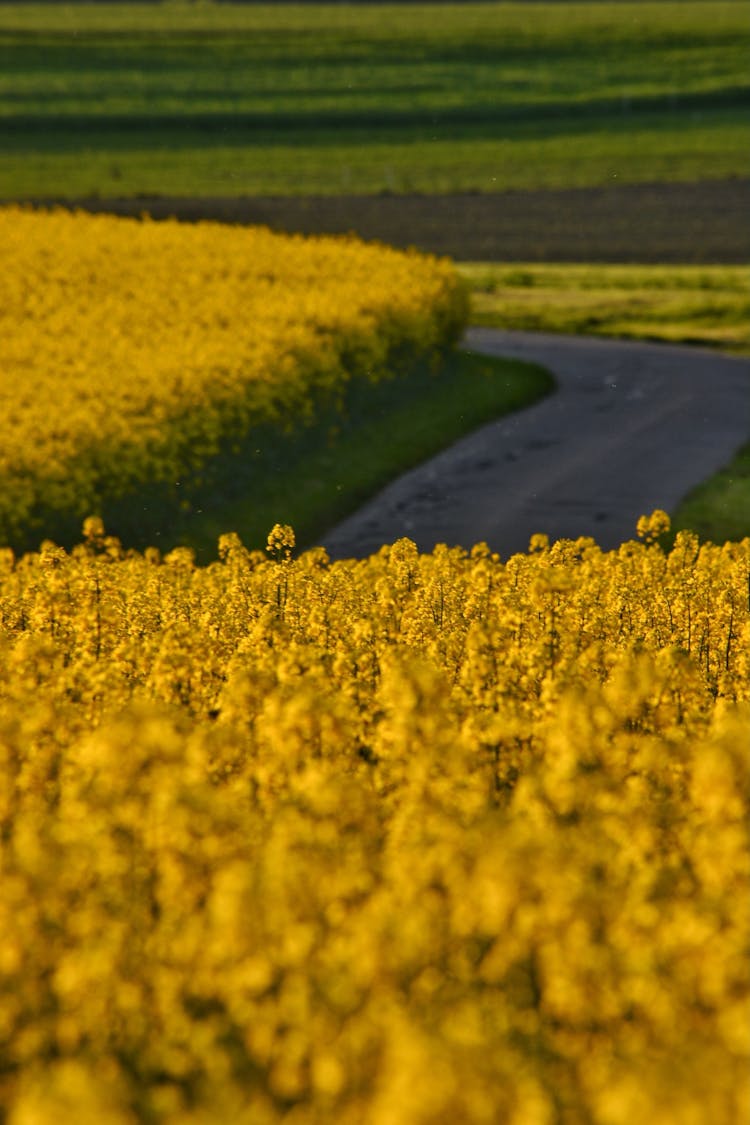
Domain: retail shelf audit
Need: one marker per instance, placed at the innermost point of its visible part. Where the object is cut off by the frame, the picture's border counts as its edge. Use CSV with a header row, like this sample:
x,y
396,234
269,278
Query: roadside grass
x,y
231,99
708,305
719,509
316,476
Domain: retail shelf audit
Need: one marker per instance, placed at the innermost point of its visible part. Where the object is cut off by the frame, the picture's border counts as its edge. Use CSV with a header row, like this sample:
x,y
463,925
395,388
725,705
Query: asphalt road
x,y
631,427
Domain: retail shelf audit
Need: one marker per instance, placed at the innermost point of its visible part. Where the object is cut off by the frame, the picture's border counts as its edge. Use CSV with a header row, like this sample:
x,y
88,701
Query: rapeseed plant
x,y
162,344
418,838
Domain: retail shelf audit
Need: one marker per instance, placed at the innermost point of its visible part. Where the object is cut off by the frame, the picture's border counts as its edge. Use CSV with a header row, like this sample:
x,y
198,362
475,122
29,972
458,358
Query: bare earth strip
x,y
705,222
632,427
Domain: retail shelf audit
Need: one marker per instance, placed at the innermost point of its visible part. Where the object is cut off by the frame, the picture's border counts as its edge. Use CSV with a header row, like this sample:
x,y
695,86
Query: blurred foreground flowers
x,y
414,840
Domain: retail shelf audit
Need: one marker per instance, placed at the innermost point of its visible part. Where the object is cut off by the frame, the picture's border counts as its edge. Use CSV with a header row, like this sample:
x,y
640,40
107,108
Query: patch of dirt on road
x,y
705,222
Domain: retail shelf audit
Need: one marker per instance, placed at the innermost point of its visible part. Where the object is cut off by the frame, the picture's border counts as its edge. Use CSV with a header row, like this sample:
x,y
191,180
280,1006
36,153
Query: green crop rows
x,y
203,99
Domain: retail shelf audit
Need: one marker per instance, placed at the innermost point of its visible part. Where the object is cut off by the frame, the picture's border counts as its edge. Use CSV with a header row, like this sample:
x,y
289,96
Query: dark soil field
x,y
691,223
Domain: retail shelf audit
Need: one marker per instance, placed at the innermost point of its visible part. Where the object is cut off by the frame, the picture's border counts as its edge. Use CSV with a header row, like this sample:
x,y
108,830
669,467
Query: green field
x,y
224,100
708,305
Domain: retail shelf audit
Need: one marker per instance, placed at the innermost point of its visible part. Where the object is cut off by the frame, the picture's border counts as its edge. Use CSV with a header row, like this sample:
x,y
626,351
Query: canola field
x,y
414,840
430,839
134,352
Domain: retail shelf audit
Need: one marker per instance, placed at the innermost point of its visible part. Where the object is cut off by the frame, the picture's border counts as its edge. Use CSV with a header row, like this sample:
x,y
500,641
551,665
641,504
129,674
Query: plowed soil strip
x,y
686,222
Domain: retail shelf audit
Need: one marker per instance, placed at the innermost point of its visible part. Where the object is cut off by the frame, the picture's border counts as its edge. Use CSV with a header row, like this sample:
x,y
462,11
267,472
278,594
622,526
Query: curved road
x,y
631,427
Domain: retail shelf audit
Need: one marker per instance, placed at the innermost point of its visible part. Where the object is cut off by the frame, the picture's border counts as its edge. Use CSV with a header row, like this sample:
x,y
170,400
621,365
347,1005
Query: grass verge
x,y
719,509
707,305
313,477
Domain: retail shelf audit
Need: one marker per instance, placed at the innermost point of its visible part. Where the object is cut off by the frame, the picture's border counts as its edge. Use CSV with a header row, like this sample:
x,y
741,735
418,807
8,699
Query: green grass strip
x,y
708,305
719,509
63,159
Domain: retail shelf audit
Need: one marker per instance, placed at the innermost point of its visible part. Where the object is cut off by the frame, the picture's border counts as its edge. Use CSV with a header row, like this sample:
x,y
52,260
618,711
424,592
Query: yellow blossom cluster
x,y
132,351
413,840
